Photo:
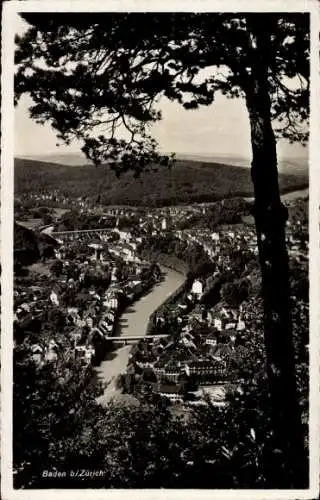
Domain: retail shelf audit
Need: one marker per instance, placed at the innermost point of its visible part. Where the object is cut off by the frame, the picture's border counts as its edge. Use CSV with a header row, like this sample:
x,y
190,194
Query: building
x,y
111,301
84,354
211,339
197,289
217,323
97,247
172,371
174,392
215,236
206,371
128,253
54,298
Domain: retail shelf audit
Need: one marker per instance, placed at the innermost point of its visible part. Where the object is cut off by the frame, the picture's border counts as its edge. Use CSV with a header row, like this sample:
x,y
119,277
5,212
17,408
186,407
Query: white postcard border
x,y
10,10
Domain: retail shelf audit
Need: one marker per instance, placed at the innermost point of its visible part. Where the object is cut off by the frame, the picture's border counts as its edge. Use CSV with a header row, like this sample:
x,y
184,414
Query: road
x,y
134,322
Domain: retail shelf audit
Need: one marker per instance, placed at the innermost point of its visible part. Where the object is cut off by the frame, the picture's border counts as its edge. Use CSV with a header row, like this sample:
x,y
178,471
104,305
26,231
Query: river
x,y
292,195
133,322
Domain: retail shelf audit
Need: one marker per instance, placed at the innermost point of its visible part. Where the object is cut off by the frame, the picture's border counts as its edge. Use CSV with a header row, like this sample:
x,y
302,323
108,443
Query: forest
x,y
186,182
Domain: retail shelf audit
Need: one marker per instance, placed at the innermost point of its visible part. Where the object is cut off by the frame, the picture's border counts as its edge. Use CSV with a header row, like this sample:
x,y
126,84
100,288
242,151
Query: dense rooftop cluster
x,y
73,307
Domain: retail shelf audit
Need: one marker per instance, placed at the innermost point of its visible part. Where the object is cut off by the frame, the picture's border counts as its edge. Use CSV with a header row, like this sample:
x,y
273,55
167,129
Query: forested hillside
x,y
188,181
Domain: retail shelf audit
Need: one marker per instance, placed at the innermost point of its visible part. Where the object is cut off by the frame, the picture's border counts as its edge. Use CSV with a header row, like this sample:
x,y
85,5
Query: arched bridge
x,y
83,234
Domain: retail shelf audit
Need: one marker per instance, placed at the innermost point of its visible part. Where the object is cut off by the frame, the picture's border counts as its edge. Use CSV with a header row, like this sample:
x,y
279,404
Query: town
x,y
95,262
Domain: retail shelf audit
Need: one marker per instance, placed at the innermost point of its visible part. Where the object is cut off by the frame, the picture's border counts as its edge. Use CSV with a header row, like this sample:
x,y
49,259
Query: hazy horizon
x,y
180,154
209,131
221,129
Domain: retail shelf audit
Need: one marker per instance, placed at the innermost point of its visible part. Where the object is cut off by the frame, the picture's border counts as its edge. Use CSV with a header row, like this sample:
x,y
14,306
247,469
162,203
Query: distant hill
x,y
290,165
188,182
294,166
70,159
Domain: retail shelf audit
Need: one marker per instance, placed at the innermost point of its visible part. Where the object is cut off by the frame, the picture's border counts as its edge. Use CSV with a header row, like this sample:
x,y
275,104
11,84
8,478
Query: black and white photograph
x,y
159,219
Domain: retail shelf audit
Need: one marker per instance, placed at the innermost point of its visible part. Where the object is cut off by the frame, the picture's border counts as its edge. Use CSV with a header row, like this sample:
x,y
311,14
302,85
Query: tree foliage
x,y
59,426
50,408
96,73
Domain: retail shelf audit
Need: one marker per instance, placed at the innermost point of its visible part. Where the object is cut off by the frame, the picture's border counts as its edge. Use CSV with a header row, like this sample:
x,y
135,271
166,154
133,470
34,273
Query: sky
x,y
217,130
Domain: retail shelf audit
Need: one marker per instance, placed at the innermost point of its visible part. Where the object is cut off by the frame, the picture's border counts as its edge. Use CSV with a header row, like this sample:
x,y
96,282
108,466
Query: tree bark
x,y
286,468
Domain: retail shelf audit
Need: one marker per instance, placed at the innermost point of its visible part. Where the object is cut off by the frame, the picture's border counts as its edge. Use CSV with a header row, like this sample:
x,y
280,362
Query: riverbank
x,y
134,321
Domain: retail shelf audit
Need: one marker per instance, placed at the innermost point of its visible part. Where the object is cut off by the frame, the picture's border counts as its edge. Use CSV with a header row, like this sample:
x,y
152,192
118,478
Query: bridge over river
x,y
132,323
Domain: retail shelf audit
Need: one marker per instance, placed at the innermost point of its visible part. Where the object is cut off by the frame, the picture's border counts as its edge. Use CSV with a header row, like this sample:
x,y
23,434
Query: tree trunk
x,y
270,220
